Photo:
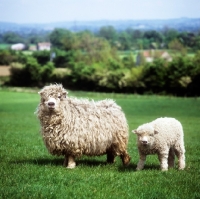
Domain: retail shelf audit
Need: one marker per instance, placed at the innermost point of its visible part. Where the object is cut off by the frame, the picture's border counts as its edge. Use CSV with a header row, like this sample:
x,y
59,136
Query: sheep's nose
x,y
144,142
51,104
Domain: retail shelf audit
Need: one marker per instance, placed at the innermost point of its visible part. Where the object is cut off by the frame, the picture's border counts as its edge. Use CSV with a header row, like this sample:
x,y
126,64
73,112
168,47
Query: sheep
x,y
164,137
74,127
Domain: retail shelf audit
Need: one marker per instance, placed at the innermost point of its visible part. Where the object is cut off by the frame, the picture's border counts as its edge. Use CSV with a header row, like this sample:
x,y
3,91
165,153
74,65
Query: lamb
x,y
164,137
74,127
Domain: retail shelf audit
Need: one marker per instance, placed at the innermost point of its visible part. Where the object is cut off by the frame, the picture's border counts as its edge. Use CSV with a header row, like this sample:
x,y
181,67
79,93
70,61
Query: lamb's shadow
x,y
132,167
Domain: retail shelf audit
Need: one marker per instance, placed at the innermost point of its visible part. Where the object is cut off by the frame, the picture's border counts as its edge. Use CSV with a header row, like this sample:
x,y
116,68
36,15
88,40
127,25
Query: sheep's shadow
x,y
40,161
79,162
59,162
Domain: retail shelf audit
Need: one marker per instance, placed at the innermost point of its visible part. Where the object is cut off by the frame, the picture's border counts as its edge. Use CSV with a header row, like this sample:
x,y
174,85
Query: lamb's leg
x,y
181,158
141,162
171,158
163,158
125,159
69,162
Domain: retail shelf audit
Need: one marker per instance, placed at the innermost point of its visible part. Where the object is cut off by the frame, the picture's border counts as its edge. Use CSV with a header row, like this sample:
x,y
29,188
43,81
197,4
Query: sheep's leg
x,y
141,162
69,162
181,159
110,158
65,161
125,159
171,158
163,158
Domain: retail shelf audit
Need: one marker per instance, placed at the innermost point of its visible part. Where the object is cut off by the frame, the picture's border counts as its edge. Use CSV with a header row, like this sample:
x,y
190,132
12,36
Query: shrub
x,y
7,57
155,76
42,57
46,72
18,75
132,80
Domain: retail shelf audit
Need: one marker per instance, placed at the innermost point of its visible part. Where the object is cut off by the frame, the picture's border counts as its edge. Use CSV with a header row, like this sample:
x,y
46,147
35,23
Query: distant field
x,y
4,71
29,171
4,46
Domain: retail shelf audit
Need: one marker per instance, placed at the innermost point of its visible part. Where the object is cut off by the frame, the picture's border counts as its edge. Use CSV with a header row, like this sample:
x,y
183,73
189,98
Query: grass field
x,y
28,171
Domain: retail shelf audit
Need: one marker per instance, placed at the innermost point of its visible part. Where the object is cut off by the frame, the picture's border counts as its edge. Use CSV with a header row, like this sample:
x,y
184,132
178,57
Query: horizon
x,y
49,11
97,20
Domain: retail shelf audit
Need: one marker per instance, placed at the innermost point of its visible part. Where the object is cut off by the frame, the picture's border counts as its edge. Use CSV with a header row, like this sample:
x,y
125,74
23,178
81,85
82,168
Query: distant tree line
x,y
88,61
129,39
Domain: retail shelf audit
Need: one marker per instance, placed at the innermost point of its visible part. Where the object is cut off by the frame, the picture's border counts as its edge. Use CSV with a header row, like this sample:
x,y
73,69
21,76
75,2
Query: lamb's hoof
x,y
164,169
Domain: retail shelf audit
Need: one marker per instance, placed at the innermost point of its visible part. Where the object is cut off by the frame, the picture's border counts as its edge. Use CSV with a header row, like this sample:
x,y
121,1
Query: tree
x,y
124,40
153,36
177,46
57,37
11,38
109,33
170,35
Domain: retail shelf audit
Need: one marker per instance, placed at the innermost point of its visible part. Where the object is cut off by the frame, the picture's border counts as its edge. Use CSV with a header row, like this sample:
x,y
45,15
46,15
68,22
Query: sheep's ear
x,y
134,131
156,132
65,94
40,92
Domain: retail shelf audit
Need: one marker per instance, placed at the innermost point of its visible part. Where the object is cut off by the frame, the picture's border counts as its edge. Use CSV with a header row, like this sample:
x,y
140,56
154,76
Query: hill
x,y
180,24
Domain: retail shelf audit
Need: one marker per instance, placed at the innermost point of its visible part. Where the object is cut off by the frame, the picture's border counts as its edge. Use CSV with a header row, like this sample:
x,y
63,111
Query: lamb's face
x,y
51,96
145,134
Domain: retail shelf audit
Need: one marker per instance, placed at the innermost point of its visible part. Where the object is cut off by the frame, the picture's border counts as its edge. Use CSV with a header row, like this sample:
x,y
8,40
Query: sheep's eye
x,y
59,97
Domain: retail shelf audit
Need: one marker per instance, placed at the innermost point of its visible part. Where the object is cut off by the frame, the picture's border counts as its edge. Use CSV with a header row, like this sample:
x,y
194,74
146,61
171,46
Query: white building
x,y
44,46
18,46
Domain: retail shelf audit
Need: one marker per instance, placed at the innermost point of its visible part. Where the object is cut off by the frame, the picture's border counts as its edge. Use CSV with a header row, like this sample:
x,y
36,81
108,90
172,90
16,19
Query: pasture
x,y
29,171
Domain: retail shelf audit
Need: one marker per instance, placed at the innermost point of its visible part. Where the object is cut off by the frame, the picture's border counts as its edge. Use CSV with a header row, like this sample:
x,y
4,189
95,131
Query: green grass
x,y
4,46
29,171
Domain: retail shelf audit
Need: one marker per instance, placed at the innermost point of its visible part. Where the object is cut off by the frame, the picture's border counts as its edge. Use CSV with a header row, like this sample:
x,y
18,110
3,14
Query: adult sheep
x,y
73,127
163,136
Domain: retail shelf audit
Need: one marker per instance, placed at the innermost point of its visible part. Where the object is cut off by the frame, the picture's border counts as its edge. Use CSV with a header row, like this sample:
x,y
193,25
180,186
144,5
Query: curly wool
x,y
80,126
163,136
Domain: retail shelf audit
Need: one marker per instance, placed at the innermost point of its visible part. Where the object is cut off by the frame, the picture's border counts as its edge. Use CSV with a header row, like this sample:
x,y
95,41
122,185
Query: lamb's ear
x,y
40,92
156,132
134,131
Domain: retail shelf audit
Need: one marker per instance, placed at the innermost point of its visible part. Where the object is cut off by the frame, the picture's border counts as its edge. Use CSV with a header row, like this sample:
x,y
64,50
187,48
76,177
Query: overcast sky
x,y
40,11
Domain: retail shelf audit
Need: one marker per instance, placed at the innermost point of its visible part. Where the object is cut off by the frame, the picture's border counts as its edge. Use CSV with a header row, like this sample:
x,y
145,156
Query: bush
x,y
155,76
42,57
46,72
132,80
61,75
7,57
18,75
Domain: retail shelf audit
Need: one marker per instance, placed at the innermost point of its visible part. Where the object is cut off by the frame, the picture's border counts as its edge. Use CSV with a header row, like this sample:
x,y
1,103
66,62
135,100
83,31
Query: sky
x,y
47,11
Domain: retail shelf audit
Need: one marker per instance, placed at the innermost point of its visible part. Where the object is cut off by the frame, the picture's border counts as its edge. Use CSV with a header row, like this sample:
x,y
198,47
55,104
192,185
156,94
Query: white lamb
x,y
73,127
164,137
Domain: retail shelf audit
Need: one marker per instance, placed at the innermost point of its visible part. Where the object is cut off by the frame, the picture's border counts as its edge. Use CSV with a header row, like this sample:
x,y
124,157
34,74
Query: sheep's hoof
x,y
71,166
164,169
125,159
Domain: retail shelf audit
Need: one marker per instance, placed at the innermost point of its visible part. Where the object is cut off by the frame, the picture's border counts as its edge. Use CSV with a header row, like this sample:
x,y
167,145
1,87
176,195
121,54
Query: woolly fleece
x,y
73,127
163,136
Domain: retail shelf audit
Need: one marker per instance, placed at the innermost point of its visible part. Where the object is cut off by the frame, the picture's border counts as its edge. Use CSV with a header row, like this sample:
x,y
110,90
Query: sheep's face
x,y
51,96
145,134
